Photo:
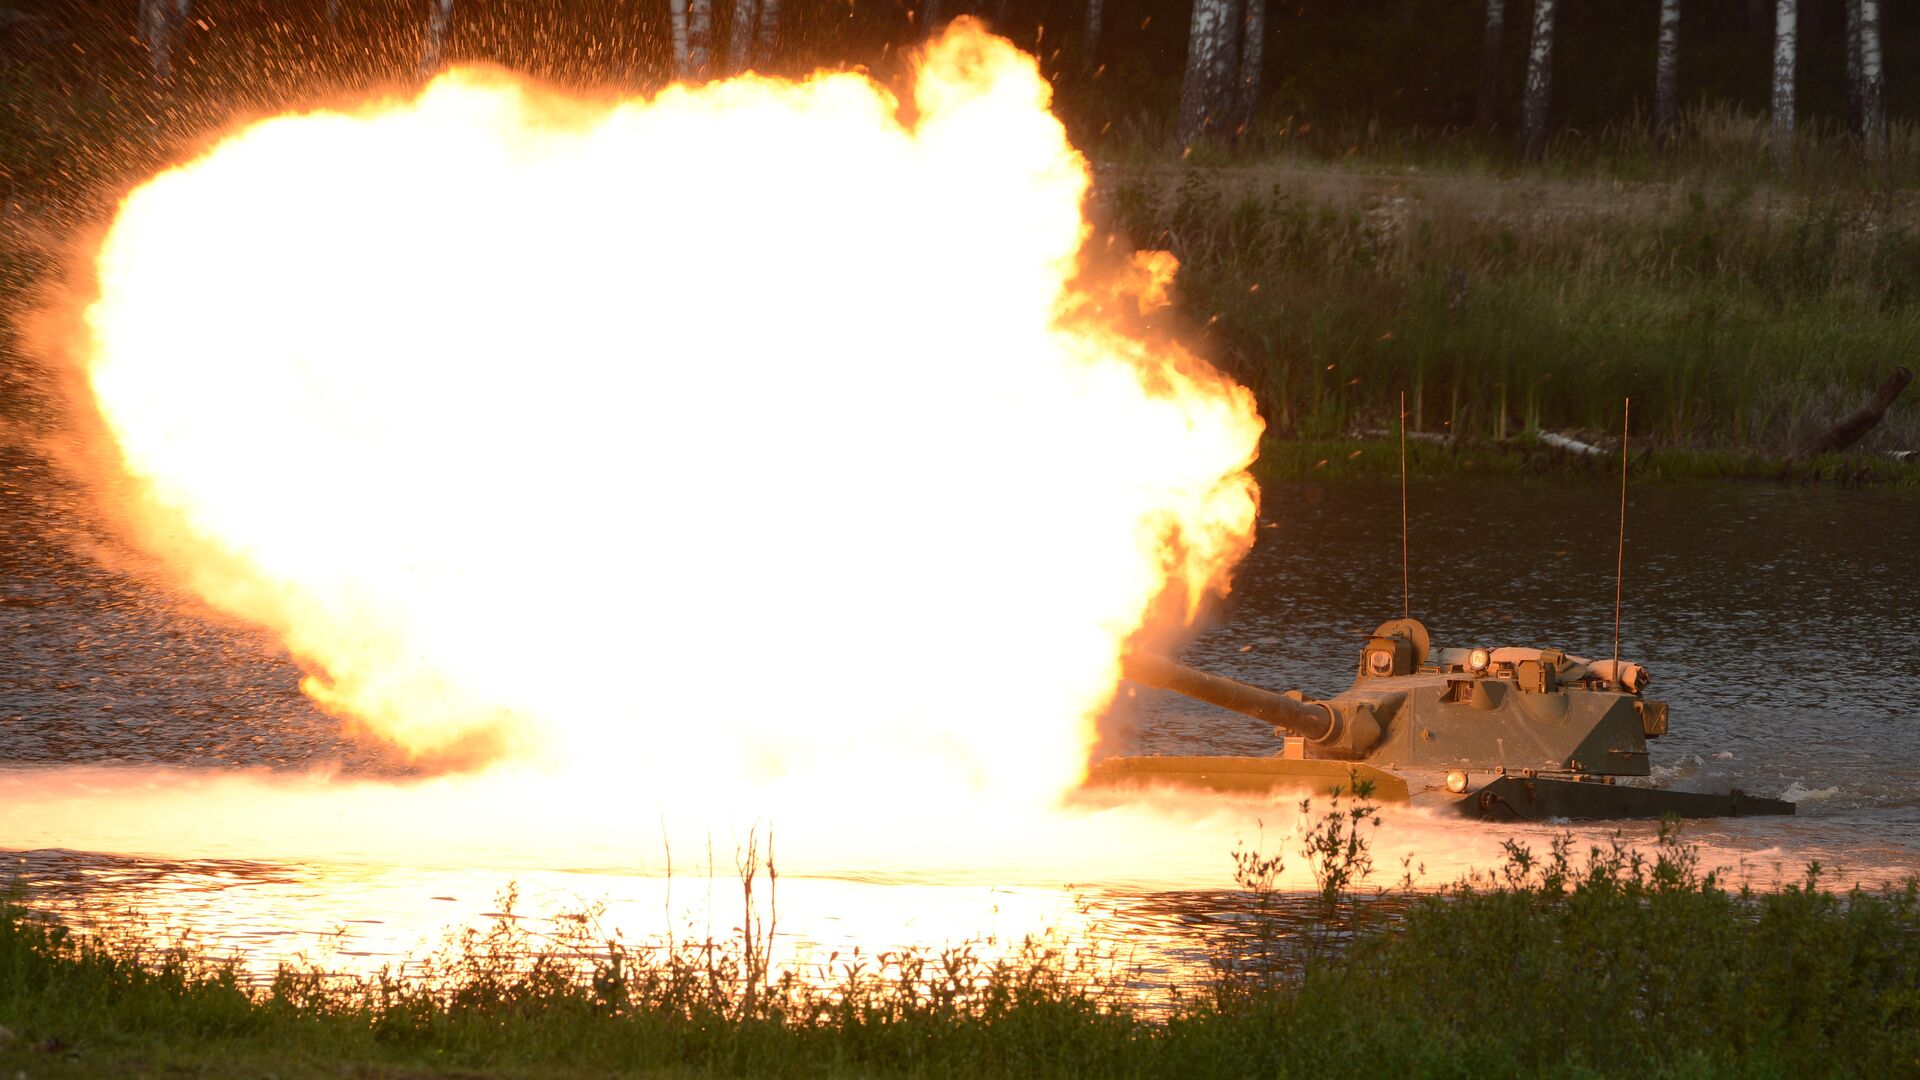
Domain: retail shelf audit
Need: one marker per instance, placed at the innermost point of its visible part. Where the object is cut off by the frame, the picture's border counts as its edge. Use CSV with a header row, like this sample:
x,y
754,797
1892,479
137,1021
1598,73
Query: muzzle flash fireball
x,y
594,436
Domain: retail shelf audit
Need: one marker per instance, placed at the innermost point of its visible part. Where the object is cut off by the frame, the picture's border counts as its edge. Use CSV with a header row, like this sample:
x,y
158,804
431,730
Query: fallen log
x,y
1861,420
1571,445
1565,443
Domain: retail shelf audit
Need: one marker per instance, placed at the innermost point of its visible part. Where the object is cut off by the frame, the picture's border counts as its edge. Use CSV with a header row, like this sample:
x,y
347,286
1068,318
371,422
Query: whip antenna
x,y
1620,561
1406,587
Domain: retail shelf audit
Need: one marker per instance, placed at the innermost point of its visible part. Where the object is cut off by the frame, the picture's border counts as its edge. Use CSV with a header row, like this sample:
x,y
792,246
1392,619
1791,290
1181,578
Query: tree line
x,y
1223,72
1227,62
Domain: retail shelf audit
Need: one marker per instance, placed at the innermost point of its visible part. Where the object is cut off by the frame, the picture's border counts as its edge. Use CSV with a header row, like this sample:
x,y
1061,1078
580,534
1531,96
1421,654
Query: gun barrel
x,y
1306,719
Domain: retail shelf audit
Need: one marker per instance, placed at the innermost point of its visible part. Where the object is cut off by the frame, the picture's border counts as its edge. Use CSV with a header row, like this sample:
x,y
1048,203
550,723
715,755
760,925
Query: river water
x,y
1780,623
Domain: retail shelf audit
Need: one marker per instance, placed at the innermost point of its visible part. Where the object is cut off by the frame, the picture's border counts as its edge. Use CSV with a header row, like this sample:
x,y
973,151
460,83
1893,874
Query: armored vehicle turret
x,y
1505,732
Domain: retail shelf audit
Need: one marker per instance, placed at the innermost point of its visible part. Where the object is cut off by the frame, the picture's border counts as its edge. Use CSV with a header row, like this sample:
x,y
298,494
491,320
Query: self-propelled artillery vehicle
x,y
1502,733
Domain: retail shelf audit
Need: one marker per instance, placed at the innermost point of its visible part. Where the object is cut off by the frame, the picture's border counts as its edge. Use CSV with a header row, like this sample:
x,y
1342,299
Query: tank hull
x,y
1501,798
1515,798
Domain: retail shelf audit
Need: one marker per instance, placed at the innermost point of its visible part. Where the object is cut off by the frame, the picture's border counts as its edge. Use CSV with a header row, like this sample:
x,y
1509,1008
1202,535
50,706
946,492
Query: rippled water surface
x,y
1780,623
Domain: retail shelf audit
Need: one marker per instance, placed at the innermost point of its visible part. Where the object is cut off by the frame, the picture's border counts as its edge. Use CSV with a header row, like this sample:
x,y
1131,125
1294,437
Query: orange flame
x,y
745,439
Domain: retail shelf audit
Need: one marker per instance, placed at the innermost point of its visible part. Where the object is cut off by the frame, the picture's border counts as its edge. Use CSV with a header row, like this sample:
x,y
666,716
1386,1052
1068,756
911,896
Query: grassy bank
x,y
1719,143
1612,965
1737,319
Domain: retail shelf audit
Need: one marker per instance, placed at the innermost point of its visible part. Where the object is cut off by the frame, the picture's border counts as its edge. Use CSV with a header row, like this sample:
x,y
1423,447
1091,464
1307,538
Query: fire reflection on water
x,y
358,920
1152,937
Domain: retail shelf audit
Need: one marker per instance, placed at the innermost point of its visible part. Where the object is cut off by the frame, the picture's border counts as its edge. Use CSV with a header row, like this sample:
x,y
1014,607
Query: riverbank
x,y
1619,963
1527,455
1739,319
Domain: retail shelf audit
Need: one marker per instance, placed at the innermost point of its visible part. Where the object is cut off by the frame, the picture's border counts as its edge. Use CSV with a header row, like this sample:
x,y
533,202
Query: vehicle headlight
x,y
1477,659
1457,781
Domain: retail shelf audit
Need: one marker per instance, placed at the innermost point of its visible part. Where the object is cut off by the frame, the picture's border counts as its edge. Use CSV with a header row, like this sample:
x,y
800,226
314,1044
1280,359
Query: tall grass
x,y
1717,143
1736,318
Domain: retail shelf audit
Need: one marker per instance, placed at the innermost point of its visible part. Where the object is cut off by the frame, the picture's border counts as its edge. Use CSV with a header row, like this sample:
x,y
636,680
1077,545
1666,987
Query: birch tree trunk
x,y
1253,48
1209,38
677,15
439,16
1786,40
740,37
1539,94
1666,78
1490,41
160,22
1093,32
1226,72
1873,81
1853,67
768,33
699,37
